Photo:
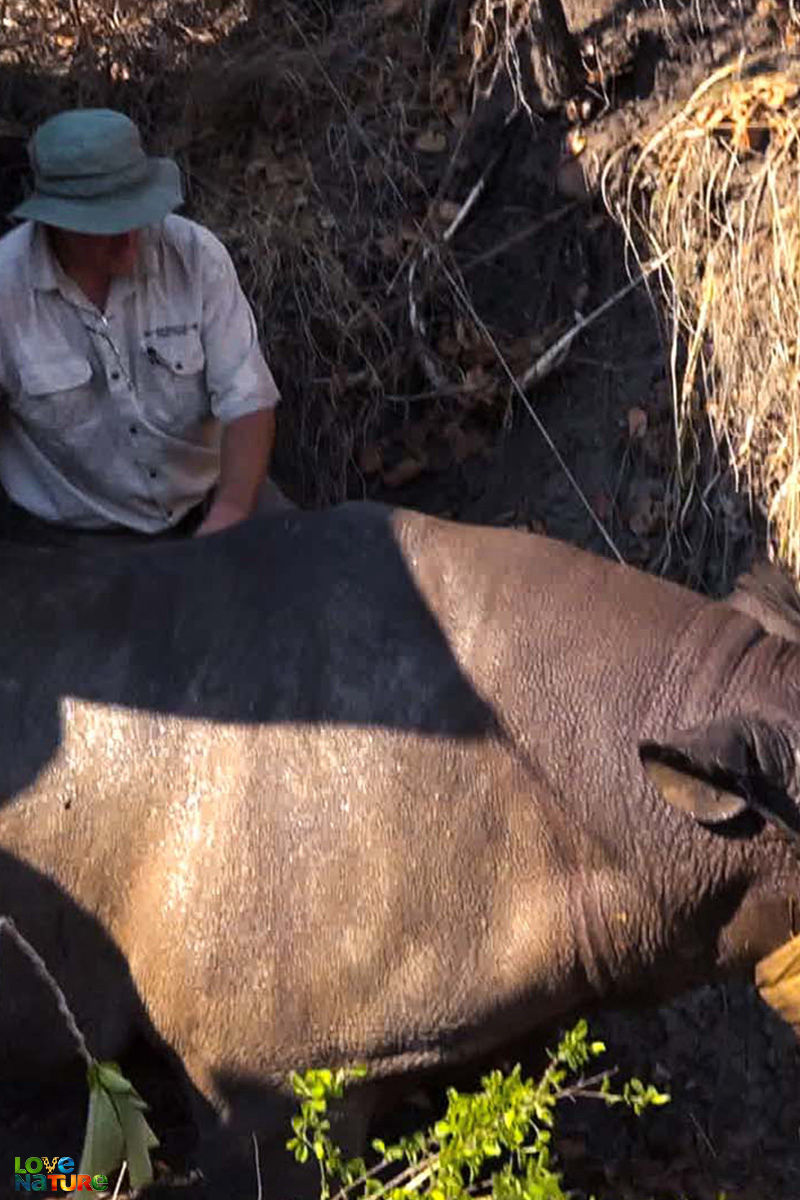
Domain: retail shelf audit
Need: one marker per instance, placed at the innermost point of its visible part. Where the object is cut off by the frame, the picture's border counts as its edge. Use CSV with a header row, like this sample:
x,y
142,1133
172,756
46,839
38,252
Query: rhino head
x,y
732,766
716,775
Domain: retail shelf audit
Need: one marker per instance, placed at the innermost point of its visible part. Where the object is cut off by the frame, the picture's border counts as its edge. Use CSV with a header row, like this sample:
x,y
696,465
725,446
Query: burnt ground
x,y
733,1126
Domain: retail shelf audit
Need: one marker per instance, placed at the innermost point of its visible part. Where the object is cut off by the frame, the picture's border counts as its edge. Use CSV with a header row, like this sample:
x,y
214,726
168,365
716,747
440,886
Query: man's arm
x,y
245,455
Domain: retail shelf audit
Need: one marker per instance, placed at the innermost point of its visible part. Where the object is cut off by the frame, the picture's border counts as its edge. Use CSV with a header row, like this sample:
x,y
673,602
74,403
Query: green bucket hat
x,y
91,175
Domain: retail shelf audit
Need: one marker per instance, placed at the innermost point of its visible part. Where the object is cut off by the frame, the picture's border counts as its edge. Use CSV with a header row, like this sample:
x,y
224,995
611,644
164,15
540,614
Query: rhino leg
x,y
243,1128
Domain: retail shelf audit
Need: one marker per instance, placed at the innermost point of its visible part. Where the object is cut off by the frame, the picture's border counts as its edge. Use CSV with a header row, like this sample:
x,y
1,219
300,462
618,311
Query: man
x,y
133,393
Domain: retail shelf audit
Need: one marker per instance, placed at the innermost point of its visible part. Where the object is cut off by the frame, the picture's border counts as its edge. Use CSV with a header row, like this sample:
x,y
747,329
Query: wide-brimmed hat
x,y
91,175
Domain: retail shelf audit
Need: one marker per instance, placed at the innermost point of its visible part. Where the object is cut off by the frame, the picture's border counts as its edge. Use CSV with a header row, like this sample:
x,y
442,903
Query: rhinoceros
x,y
365,786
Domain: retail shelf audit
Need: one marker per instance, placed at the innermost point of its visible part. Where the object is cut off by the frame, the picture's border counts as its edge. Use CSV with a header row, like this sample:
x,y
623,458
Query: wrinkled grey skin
x,y
365,786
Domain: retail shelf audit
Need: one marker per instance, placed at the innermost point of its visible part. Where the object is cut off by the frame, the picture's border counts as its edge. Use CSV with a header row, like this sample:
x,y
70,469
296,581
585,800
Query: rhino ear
x,y
769,595
717,772
702,800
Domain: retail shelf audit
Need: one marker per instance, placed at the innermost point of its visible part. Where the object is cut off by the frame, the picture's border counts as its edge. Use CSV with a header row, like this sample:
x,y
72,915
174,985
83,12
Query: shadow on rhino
x,y
297,619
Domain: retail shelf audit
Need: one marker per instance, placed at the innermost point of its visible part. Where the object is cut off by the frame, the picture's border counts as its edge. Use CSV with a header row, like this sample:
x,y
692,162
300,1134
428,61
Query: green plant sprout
x,y
508,1124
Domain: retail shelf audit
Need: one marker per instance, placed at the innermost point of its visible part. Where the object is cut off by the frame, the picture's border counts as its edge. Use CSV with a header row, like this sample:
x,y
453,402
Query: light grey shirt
x,y
115,418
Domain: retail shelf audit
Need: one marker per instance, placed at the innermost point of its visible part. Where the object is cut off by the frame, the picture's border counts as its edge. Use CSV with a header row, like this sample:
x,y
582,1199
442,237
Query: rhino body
x,y
368,787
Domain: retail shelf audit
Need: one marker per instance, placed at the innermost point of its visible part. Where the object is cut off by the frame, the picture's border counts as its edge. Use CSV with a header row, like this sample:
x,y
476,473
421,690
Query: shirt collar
x,y
42,261
148,250
47,274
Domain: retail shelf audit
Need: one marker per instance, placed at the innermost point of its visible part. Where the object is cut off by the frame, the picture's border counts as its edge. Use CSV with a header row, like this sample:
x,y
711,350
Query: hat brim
x,y
145,203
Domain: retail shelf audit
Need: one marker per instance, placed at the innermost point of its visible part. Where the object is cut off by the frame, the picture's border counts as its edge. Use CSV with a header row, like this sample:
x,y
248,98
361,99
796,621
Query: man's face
x,y
101,254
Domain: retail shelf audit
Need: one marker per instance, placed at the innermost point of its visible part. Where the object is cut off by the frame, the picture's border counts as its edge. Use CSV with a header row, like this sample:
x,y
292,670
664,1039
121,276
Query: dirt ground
x,y
733,1127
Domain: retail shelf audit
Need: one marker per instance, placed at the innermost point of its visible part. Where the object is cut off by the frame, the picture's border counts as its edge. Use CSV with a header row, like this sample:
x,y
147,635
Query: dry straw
x,y
717,189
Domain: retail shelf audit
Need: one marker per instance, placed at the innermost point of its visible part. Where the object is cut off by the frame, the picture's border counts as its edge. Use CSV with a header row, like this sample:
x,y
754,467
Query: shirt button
x,y
152,473
115,375
178,366
132,430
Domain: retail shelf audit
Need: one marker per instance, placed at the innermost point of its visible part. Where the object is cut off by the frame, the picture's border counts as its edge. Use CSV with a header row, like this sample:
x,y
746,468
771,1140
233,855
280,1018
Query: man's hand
x,y
244,459
221,515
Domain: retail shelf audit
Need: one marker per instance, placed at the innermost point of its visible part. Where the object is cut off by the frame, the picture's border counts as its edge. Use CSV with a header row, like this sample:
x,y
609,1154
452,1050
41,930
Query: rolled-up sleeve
x,y
237,376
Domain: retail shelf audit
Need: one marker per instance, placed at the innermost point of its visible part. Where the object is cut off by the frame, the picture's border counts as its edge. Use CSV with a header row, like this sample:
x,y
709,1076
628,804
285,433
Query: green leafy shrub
x,y
493,1143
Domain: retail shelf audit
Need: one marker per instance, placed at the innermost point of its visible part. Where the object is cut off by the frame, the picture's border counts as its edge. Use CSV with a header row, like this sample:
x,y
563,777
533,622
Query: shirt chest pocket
x,y
175,396
55,396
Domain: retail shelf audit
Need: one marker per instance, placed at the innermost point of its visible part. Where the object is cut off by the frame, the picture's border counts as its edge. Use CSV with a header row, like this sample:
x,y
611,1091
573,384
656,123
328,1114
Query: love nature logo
x,y
54,1175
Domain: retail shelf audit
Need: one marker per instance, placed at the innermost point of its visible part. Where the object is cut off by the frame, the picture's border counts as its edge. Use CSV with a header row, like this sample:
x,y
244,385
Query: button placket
x,y
119,370
115,373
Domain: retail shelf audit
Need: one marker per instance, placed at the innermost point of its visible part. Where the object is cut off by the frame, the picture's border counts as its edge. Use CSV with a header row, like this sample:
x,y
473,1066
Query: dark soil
x,y
733,1126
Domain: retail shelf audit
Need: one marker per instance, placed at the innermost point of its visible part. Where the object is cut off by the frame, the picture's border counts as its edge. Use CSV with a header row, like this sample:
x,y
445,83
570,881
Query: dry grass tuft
x,y
717,190
492,33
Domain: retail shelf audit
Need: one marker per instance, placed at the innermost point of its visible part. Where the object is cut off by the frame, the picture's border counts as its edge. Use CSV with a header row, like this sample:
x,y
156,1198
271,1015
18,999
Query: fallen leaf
x,y
296,168
476,443
370,460
447,346
12,129
430,141
572,1148
661,393
576,142
637,423
580,295
601,504
406,470
646,516
464,443
408,230
457,440
204,37
476,379
448,210
306,225
389,246
571,181
415,436
261,165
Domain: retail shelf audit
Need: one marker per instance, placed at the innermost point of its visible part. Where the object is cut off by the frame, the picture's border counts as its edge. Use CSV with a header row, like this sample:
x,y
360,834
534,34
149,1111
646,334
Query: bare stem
x,y
41,970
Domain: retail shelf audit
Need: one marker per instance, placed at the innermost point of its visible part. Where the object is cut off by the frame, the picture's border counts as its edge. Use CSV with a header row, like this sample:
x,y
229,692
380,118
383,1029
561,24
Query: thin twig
x,y
429,365
408,1173
40,967
479,188
520,236
552,355
494,251
259,1193
122,1171
503,363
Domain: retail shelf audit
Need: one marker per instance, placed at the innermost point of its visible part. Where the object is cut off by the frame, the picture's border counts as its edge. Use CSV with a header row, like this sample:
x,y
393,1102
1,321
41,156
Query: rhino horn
x,y
719,771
